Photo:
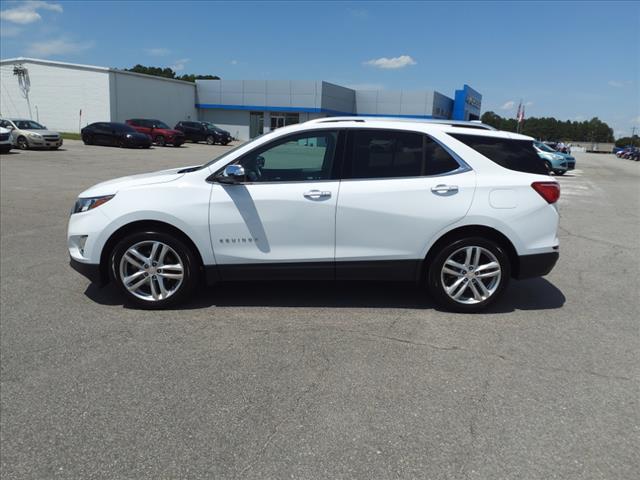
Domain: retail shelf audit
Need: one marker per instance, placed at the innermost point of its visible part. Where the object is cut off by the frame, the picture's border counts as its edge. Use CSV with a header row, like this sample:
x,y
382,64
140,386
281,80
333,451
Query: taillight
x,y
550,191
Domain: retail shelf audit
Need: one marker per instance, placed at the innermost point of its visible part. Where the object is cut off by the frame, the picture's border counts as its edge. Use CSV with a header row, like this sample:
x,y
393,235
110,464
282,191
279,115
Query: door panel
x,y
394,219
273,222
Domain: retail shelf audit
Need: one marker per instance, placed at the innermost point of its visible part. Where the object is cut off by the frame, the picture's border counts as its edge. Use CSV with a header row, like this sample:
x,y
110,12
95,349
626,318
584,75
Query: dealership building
x,y
66,97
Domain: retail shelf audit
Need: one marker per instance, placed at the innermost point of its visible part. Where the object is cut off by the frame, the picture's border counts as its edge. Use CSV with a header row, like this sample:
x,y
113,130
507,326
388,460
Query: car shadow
x,y
532,294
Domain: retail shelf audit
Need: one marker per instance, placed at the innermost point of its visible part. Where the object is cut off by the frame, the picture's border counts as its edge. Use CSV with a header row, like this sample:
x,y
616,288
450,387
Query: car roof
x,y
424,125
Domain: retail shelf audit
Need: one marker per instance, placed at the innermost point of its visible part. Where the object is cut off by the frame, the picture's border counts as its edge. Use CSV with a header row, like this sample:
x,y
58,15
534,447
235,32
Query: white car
x,y
6,142
30,134
457,206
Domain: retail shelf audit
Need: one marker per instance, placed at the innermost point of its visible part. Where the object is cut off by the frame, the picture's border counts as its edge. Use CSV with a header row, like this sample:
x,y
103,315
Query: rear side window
x,y
518,155
393,153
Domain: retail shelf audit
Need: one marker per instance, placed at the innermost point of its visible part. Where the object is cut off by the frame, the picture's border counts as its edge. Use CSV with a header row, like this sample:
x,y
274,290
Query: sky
x,y
570,60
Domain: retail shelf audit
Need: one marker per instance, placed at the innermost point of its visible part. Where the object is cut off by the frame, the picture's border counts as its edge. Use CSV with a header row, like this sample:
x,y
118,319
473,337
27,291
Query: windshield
x,y
211,126
28,125
159,124
544,148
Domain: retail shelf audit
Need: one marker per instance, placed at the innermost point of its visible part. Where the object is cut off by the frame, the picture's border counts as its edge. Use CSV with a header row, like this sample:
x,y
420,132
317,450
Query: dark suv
x,y
204,131
160,133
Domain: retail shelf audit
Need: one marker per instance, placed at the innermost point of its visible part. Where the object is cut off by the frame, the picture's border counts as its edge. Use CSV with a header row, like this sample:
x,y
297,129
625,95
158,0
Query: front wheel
x,y
87,139
210,140
154,270
469,274
559,172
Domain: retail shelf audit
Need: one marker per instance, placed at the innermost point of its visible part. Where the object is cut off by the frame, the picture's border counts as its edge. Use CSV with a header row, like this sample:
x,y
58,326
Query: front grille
x,y
4,136
51,137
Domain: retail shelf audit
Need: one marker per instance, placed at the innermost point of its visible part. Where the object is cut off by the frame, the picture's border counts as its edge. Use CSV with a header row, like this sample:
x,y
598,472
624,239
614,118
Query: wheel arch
x,y
138,226
467,231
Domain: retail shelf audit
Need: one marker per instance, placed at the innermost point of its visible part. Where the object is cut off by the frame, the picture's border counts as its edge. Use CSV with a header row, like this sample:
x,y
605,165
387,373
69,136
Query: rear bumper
x,y
88,270
536,265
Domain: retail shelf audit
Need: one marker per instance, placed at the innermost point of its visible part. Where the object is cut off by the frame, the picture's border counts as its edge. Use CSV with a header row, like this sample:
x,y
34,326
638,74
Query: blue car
x,y
556,162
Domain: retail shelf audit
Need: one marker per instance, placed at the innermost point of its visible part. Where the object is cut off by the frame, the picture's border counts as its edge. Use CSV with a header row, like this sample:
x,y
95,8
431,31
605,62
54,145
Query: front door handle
x,y
316,194
445,189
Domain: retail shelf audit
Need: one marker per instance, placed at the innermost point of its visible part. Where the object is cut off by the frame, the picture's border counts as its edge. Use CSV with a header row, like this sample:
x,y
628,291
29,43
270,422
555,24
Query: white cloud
x,y
508,105
57,47
179,64
27,12
528,104
579,118
157,52
619,83
234,62
636,120
391,63
366,86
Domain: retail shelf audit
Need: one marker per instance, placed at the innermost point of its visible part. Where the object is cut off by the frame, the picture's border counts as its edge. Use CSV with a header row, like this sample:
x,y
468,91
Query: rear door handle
x,y
316,194
445,189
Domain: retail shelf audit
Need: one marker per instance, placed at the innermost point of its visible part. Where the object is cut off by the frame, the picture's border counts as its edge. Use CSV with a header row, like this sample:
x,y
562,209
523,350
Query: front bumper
x,y
89,270
44,142
537,265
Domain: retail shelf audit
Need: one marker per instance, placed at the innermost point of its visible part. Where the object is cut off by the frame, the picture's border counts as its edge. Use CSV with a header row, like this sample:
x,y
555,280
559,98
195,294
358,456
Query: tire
x,y
177,145
441,278
559,172
166,250
159,140
122,143
549,167
54,148
5,149
210,140
225,143
87,139
22,143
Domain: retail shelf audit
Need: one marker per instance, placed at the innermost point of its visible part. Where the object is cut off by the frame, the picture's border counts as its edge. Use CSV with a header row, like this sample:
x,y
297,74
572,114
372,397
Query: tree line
x,y
552,129
169,73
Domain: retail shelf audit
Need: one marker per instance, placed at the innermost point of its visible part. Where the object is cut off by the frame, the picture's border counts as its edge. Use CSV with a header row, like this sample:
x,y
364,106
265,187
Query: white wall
x,y
137,96
57,94
236,122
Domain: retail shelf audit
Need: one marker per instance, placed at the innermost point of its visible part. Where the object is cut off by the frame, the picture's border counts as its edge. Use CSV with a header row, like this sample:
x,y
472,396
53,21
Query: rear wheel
x,y
22,143
87,139
559,172
154,270
210,140
159,140
469,274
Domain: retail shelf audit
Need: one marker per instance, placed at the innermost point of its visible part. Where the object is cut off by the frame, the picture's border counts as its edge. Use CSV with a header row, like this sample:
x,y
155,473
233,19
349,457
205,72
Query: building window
x,y
283,119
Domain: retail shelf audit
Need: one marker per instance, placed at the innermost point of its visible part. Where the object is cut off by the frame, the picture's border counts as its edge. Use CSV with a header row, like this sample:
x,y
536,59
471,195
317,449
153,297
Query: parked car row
x,y
134,133
142,132
556,161
630,153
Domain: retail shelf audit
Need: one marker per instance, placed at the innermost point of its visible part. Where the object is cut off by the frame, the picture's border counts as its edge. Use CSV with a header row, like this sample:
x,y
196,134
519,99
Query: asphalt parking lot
x,y
316,381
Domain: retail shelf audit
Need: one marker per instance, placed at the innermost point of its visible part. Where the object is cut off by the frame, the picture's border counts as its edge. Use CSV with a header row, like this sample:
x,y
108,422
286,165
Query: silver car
x,y
30,134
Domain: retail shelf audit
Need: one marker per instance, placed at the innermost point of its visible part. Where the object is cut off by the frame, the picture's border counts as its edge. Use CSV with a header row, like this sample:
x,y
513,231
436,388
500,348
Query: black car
x,y
204,132
114,134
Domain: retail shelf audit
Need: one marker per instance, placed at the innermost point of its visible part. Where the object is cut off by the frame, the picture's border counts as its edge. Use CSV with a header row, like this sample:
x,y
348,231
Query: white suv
x,y
456,205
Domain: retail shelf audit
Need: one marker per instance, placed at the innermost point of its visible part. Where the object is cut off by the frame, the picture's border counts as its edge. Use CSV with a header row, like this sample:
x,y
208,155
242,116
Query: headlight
x,y
128,135
34,135
86,204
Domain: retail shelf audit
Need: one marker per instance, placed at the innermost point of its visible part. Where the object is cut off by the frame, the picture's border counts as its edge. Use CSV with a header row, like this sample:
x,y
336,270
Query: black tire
x,y
549,167
435,274
54,148
559,172
22,143
177,145
87,139
185,255
211,140
160,141
225,143
5,149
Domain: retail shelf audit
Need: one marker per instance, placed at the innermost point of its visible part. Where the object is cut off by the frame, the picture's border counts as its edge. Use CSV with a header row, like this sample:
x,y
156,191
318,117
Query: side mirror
x,y
9,127
232,174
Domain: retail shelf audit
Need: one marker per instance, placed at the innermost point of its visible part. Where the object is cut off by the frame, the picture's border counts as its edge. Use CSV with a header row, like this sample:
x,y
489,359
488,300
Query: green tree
x,y
550,128
169,73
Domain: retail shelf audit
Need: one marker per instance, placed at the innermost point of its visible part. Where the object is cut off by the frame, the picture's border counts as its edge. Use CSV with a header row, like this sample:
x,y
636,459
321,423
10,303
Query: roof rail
x,y
453,123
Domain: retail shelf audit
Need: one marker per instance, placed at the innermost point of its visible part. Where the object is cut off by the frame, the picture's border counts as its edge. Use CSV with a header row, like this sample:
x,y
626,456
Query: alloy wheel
x,y
151,270
471,275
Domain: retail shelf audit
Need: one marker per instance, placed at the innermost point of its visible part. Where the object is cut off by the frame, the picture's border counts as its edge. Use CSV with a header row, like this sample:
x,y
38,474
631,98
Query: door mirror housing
x,y
232,174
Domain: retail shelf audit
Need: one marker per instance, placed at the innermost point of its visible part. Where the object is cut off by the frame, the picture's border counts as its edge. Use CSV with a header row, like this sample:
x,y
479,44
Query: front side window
x,y
394,153
28,125
301,157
